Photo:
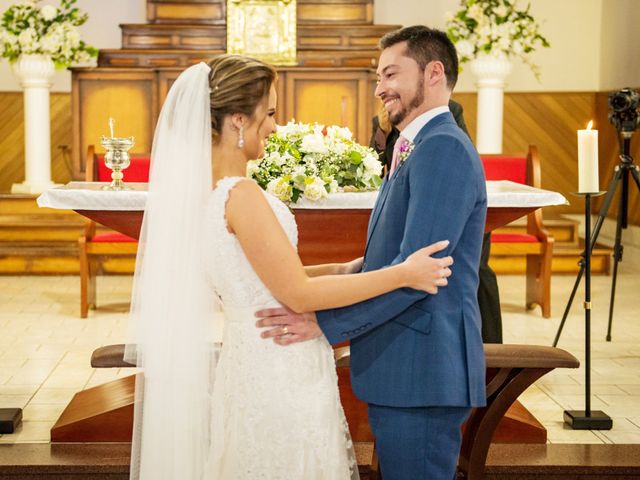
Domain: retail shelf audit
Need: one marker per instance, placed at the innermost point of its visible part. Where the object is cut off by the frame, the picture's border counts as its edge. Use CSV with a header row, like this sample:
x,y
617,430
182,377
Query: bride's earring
x,y
241,137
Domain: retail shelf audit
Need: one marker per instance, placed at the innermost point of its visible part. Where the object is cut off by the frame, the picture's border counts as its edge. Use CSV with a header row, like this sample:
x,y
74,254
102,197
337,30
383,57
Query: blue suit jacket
x,y
409,348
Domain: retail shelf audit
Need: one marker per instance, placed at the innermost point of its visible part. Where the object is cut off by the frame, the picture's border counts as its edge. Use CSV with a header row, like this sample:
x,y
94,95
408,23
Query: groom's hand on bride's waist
x,y
286,326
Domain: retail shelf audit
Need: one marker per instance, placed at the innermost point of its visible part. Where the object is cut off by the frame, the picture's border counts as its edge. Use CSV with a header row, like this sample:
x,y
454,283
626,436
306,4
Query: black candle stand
x,y
587,419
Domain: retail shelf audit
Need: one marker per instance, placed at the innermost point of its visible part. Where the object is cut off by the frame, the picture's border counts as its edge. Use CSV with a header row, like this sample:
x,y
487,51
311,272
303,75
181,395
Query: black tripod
x,y
624,168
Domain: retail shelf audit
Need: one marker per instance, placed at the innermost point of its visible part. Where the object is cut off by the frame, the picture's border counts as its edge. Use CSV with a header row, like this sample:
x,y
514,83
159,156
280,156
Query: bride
x,y
212,239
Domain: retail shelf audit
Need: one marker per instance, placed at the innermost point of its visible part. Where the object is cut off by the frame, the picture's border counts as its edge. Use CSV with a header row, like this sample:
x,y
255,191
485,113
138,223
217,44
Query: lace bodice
x,y
230,273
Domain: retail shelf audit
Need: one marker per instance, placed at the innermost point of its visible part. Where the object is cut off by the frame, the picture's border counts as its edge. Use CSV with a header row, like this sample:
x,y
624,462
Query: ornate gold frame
x,y
263,29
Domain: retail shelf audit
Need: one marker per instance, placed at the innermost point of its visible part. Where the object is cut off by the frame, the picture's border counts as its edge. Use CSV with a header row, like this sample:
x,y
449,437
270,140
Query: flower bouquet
x,y
496,28
313,161
27,29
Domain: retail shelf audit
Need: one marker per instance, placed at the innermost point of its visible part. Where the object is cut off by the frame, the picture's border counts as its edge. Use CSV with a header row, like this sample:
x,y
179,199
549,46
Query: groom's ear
x,y
434,72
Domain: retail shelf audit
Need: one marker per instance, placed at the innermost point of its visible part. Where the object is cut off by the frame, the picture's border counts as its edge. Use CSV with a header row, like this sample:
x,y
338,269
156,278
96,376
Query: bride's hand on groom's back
x,y
286,326
424,272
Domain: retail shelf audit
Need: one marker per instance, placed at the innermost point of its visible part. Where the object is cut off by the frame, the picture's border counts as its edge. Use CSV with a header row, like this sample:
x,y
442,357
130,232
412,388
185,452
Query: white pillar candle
x,y
588,160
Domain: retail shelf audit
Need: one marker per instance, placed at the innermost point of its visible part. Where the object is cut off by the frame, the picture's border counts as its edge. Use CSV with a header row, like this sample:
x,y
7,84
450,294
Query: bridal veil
x,y
172,303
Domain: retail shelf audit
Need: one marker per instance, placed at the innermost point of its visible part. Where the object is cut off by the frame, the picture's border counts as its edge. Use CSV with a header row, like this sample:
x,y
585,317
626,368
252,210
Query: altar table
x,y
333,230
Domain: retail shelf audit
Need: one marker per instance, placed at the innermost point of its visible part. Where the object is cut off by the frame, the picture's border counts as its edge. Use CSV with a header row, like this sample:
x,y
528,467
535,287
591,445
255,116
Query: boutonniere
x,y
405,150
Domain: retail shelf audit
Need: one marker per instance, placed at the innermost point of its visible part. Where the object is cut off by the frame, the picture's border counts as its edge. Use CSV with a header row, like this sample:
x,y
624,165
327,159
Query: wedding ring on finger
x,y
285,330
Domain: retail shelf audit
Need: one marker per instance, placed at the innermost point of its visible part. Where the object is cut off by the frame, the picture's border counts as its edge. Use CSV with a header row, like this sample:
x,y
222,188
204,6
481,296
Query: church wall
x,y
591,39
620,64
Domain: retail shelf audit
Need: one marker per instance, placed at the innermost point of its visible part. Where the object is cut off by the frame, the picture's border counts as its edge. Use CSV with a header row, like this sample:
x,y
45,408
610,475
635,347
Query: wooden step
x,y
565,261
43,241
563,230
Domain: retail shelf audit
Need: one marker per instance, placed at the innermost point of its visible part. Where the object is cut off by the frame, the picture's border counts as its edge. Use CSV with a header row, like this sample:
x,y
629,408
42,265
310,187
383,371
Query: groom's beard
x,y
415,102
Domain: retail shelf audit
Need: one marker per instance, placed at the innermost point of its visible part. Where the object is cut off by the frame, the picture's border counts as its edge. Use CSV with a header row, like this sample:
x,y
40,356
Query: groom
x,y
416,359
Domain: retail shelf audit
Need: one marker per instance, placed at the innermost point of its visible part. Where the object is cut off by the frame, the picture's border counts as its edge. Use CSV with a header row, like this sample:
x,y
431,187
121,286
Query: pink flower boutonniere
x,y
406,148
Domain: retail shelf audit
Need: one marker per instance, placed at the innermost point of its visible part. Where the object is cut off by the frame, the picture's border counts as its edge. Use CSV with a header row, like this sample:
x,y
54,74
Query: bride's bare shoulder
x,y
246,193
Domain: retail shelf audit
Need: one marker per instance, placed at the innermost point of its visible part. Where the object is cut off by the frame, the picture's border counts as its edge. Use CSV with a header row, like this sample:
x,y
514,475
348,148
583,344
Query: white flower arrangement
x,y
313,161
28,29
494,27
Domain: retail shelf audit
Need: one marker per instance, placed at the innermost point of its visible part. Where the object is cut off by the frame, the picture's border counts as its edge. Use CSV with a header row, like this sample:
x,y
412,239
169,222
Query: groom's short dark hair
x,y
424,45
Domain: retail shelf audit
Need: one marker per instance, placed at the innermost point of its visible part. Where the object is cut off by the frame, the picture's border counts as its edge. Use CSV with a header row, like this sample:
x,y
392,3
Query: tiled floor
x,y
45,349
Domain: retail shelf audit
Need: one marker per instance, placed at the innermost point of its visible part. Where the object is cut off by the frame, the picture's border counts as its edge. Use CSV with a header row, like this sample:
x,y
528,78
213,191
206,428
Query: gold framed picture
x,y
263,29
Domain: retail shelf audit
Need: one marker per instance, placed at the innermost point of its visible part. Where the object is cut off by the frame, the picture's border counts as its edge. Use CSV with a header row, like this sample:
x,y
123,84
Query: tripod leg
x,y
621,222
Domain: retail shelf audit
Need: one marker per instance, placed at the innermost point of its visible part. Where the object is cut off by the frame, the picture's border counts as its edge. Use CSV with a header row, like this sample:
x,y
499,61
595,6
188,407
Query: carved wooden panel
x,y
342,98
153,58
159,36
130,97
167,58
335,11
187,11
338,37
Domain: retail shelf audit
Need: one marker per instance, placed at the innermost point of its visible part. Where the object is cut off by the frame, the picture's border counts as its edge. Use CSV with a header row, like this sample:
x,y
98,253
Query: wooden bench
x,y
536,243
511,369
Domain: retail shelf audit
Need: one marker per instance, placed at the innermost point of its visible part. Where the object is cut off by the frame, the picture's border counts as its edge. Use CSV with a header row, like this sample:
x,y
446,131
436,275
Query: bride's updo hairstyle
x,y
238,84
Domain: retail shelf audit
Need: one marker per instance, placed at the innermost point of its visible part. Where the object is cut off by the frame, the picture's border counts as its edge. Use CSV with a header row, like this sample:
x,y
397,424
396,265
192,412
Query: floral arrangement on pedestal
x,y
30,29
498,28
313,161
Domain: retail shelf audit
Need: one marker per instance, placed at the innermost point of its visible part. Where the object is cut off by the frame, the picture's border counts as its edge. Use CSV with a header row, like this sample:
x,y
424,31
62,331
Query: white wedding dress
x,y
276,410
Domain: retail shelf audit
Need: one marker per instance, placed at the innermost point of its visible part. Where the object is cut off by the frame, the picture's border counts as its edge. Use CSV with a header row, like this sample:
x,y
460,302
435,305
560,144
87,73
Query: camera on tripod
x,y
623,113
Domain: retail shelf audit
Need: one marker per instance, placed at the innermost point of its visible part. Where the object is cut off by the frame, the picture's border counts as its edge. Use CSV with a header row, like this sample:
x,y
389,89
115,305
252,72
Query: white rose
x,y
313,143
276,159
298,171
280,188
315,190
50,44
339,133
26,37
372,165
73,37
49,12
475,12
338,148
253,167
465,48
504,44
501,11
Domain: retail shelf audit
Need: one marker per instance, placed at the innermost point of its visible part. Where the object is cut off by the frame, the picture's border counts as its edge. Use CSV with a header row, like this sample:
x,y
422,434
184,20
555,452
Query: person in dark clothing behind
x,y
384,136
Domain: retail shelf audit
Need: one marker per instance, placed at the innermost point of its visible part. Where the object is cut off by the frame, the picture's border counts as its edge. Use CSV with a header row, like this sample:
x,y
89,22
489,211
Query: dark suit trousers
x,y
420,443
488,296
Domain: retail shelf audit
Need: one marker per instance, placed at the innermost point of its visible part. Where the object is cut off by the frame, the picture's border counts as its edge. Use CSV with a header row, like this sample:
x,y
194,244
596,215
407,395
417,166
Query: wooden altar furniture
x,y
536,242
93,245
332,83
511,369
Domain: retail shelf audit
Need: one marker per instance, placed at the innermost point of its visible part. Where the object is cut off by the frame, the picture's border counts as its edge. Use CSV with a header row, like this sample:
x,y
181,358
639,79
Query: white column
x,y
491,72
35,73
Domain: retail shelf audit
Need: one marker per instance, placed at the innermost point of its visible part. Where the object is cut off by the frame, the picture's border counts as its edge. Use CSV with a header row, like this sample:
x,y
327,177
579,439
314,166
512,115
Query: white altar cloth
x,y
90,196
